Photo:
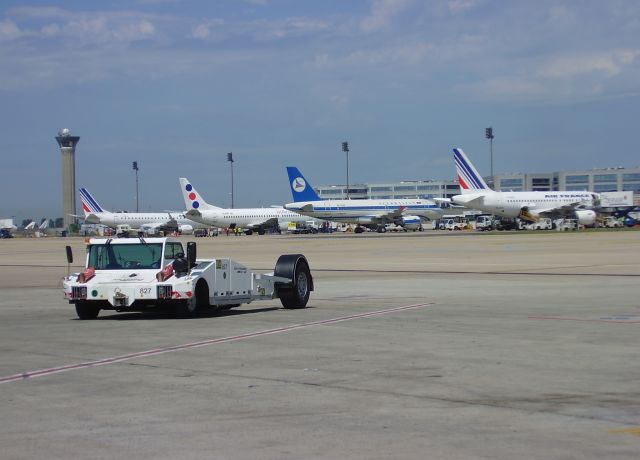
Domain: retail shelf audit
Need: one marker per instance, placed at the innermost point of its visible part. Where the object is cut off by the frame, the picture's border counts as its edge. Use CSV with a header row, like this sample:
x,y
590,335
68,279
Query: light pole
x,y
345,149
488,133
230,160
135,168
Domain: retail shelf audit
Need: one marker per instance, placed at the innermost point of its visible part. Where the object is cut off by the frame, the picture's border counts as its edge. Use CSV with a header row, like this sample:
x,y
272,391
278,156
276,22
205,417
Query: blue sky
x,y
175,85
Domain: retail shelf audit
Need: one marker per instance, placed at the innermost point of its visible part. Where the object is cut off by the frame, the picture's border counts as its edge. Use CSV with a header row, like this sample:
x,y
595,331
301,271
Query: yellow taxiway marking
x,y
633,431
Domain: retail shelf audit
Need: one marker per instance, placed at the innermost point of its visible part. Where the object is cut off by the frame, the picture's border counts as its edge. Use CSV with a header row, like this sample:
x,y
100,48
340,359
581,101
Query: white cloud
x,y
9,30
460,6
407,54
201,31
383,12
40,12
289,27
204,30
607,64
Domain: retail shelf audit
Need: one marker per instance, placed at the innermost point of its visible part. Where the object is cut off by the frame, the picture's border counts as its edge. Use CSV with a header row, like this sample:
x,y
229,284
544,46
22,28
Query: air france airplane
x,y
529,206
149,222
408,213
250,219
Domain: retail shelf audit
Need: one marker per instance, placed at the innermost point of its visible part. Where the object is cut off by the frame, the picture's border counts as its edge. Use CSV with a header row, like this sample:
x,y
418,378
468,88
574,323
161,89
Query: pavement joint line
x,y
143,354
565,318
406,271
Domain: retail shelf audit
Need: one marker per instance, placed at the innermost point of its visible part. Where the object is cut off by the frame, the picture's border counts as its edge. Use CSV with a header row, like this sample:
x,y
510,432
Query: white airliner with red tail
x,y
148,222
529,206
249,219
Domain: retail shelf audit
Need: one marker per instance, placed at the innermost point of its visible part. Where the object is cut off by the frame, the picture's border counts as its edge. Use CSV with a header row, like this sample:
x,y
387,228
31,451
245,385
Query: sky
x,y
175,85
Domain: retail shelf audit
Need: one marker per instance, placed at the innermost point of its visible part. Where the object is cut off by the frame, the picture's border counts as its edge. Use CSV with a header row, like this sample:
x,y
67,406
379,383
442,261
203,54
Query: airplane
x,y
35,230
375,214
148,222
528,206
250,219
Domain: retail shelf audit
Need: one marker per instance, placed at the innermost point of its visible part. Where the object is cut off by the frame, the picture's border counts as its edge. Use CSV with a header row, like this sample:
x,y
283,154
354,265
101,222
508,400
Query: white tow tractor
x,y
140,274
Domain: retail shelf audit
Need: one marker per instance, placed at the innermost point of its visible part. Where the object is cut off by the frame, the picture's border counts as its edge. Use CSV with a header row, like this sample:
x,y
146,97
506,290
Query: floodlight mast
x,y
135,168
345,148
230,160
488,133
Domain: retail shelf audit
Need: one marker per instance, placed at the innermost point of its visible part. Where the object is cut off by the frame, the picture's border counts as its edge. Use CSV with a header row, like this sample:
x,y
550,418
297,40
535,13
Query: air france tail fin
x,y
89,204
301,189
468,178
192,199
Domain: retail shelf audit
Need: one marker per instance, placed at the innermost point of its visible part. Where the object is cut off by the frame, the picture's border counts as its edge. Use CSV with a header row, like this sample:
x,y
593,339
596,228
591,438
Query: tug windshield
x,y
124,256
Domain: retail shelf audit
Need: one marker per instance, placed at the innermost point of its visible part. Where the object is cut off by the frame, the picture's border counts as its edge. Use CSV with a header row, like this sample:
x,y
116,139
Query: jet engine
x,y
411,222
586,217
186,229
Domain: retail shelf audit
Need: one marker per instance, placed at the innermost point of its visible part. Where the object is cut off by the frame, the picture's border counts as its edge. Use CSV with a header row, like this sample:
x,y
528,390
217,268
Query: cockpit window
x,y
119,256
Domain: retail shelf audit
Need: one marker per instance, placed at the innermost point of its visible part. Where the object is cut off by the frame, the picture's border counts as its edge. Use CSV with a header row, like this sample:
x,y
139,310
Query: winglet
x,y
468,177
301,189
192,199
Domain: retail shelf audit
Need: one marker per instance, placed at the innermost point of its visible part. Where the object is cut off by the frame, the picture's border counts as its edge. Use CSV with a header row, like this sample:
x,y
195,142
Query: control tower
x,y
67,144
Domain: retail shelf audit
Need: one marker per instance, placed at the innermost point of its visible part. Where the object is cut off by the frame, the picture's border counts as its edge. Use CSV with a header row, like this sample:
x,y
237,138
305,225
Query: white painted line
x,y
158,351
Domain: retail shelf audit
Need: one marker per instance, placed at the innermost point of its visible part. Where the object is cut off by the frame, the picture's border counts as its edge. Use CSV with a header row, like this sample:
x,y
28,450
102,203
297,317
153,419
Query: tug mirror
x,y
191,254
69,254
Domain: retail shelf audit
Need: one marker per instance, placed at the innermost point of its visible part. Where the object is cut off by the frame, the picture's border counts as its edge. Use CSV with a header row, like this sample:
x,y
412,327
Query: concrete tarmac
x,y
413,346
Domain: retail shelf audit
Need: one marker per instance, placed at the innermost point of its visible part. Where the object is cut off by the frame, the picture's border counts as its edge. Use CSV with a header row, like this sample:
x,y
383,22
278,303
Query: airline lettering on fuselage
x,y
581,196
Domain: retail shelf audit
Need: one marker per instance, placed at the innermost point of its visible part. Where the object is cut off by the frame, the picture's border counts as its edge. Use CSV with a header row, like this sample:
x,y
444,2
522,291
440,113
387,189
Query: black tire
x,y
186,308
85,310
295,267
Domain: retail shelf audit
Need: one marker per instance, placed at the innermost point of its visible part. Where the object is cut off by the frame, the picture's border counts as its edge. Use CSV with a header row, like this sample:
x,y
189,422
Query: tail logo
x,y
192,196
298,184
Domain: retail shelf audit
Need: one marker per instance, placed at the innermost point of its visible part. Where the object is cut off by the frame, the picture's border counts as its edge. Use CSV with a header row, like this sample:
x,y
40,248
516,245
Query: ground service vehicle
x,y
564,225
485,222
611,222
543,223
138,274
455,224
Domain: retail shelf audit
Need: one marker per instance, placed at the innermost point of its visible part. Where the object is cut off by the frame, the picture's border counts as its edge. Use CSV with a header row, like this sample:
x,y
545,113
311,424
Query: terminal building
x,y
391,190
592,180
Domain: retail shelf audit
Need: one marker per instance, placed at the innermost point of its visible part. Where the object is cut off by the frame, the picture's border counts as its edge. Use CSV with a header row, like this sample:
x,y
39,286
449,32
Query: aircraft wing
x,y
169,225
193,213
567,211
272,222
152,227
90,218
388,217
308,207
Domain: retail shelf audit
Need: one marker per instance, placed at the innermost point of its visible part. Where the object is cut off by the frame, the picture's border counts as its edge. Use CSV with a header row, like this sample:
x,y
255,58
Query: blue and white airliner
x,y
529,206
375,214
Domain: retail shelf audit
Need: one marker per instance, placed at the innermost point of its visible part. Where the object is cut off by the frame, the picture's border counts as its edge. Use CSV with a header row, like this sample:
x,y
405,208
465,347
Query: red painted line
x,y
582,320
158,351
